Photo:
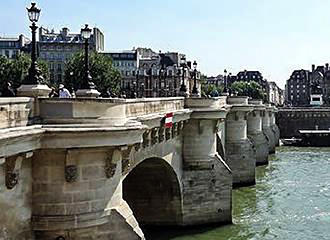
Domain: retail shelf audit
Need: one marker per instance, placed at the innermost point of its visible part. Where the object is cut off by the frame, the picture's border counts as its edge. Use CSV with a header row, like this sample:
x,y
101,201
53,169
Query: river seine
x,y
291,201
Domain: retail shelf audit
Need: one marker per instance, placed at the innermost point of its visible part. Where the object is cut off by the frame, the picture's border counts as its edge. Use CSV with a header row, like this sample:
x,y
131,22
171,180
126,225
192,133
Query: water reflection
x,y
290,201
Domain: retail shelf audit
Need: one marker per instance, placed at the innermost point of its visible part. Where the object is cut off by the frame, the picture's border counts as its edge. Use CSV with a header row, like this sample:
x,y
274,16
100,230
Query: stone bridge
x,y
102,168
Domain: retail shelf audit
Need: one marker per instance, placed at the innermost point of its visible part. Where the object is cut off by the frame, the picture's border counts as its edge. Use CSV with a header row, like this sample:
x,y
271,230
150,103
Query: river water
x,y
291,201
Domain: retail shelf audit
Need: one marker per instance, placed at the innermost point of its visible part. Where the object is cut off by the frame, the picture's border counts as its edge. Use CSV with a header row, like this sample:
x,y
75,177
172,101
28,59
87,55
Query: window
x,y
304,86
51,77
298,86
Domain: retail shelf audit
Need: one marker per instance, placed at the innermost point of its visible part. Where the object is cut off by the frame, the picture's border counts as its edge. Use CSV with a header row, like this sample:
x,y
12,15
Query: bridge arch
x,y
152,190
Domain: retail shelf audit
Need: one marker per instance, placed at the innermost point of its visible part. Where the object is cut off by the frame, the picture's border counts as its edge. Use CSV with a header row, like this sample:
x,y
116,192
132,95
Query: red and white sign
x,y
168,120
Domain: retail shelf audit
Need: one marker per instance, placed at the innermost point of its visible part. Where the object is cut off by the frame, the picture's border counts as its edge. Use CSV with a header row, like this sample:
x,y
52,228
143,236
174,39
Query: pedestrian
x,y
63,92
53,93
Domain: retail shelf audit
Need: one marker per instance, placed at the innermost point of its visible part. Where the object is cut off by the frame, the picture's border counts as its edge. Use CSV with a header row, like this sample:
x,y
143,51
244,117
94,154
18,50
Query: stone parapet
x,y
16,112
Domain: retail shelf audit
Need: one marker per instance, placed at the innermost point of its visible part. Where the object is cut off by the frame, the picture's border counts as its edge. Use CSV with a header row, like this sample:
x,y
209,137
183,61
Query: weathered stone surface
x,y
255,134
15,112
108,146
267,130
240,152
15,205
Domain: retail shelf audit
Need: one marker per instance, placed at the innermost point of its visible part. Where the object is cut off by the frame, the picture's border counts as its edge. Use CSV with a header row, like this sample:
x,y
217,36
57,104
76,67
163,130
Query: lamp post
x,y
183,88
33,84
87,88
225,81
34,76
195,90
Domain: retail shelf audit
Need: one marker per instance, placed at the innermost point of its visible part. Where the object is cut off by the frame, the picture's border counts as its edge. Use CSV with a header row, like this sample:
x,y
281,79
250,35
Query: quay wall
x,y
291,120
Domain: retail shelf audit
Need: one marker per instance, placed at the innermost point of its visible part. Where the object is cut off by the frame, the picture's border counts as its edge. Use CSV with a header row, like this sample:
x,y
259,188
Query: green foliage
x,y
208,89
15,70
250,89
104,75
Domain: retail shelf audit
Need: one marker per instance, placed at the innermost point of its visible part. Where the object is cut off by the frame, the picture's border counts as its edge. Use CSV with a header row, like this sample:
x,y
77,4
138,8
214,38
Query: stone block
x,y
92,172
77,208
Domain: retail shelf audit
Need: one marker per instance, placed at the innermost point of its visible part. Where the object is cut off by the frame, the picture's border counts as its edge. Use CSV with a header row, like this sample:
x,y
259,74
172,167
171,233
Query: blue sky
x,y
273,36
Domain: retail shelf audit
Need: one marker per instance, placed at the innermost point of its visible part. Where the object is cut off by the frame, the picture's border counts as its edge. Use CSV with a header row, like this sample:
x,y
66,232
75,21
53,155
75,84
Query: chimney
x,y
313,67
327,67
21,40
65,32
189,64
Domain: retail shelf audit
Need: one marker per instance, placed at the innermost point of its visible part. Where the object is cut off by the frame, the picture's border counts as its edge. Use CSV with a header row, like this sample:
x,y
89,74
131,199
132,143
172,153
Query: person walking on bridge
x,y
63,92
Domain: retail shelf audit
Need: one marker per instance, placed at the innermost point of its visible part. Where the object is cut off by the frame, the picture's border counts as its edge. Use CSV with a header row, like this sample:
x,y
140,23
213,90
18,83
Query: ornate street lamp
x,y
195,90
33,84
34,77
87,88
183,88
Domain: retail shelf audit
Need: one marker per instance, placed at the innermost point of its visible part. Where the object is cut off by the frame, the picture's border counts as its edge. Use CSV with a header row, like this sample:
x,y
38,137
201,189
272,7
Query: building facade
x,y
298,88
146,73
57,48
126,62
11,47
248,76
309,87
275,94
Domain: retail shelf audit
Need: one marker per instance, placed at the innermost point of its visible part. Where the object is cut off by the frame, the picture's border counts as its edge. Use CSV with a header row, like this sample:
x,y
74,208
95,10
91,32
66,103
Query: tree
x,y
251,89
209,89
15,70
104,75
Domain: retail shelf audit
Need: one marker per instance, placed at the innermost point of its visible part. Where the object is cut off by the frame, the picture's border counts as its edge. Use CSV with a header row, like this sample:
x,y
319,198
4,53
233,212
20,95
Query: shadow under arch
x,y
153,192
220,148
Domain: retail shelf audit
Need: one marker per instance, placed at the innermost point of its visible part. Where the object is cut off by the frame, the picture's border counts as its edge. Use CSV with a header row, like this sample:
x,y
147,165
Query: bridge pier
x,y
274,127
240,153
76,198
255,134
267,130
203,167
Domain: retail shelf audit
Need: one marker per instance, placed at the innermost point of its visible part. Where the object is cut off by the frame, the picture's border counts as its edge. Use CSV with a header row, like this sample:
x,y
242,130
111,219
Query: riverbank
x,y
290,201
